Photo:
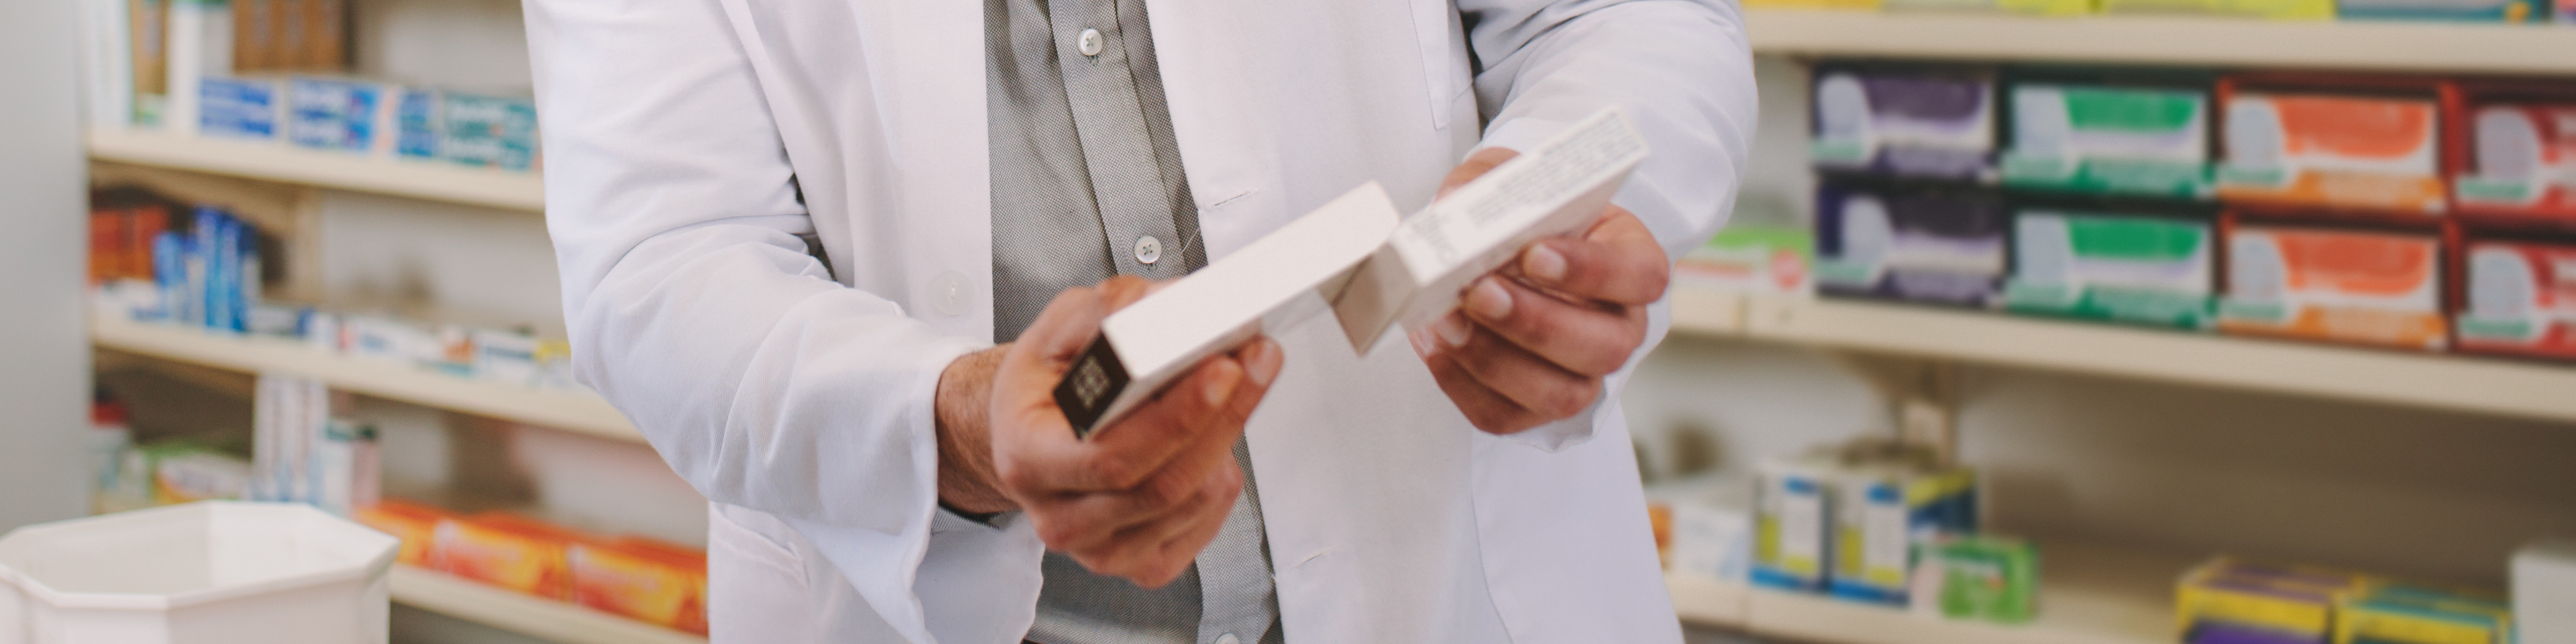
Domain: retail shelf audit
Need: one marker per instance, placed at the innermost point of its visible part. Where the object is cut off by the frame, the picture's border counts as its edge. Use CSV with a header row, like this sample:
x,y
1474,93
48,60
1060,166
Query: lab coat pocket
x,y
1444,57
757,589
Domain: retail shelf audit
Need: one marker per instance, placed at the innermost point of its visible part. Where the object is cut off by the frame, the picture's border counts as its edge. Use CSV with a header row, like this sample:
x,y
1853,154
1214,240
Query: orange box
x,y
2355,142
507,551
2333,283
415,525
650,581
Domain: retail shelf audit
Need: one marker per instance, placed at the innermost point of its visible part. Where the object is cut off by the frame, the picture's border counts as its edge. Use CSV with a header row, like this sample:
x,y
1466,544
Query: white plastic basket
x,y
216,572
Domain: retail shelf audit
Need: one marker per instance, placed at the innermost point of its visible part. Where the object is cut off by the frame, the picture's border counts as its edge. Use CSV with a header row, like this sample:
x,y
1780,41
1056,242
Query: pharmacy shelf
x,y
2440,381
289,164
2088,595
2169,40
542,618
572,411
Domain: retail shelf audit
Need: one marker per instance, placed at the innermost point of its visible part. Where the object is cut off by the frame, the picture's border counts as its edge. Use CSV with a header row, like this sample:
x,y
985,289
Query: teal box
x,y
2133,267
2108,138
2512,11
488,131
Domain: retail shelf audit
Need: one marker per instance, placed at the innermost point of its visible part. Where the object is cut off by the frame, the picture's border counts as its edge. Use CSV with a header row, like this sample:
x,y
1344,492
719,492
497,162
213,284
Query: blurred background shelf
x,y
2174,40
2453,382
553,620
573,411
437,181
2090,594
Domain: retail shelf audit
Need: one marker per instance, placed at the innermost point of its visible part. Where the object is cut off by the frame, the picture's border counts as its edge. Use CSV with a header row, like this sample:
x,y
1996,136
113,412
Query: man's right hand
x,y
1140,498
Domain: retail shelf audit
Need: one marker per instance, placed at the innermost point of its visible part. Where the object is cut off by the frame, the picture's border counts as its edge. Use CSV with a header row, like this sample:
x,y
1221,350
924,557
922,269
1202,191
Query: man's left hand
x,y
1531,341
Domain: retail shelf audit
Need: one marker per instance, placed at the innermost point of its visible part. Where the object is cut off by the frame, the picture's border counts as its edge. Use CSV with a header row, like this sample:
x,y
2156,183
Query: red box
x,y
2513,152
2517,298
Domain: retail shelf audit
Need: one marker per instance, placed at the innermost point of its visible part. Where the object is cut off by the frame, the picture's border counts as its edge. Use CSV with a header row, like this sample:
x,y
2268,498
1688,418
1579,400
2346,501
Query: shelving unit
x,y
2173,40
553,620
2440,381
283,163
2090,594
572,411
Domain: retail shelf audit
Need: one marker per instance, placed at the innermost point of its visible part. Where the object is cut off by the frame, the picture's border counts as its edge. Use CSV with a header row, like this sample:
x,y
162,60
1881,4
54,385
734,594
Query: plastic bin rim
x,y
376,567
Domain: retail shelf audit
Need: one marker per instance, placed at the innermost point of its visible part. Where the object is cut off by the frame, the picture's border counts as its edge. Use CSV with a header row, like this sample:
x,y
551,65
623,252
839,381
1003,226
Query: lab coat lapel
x,y
875,101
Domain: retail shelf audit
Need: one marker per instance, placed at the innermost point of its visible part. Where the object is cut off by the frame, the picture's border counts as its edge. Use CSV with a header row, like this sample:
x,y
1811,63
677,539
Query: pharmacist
x,y
798,239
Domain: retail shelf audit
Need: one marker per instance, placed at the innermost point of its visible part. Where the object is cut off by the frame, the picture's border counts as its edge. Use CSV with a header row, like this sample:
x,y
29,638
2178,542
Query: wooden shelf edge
x,y
2423,46
283,163
579,412
2437,381
547,619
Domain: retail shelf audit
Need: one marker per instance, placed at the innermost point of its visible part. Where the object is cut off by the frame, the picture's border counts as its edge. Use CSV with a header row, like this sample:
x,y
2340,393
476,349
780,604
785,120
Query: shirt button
x,y
1089,42
948,293
1227,638
1148,250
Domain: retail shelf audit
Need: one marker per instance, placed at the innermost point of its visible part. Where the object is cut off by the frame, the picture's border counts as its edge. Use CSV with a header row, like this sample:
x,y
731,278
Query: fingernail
x,y
1452,330
1266,360
1488,300
1222,386
1421,340
1543,263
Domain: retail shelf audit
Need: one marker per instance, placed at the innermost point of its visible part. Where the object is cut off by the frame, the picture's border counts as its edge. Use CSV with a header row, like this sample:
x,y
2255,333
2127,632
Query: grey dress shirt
x,y
1087,184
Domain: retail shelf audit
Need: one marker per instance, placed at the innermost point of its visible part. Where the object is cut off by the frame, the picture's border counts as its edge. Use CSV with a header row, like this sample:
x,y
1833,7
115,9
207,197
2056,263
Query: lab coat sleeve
x,y
1683,72
695,309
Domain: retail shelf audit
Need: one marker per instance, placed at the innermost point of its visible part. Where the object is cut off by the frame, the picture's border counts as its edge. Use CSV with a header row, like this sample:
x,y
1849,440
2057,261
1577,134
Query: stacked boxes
x,y
1859,522
2226,601
643,579
2392,211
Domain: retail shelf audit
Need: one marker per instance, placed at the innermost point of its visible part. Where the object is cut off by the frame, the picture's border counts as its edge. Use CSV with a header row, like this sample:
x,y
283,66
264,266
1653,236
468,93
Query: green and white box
x,y
2142,269
2103,138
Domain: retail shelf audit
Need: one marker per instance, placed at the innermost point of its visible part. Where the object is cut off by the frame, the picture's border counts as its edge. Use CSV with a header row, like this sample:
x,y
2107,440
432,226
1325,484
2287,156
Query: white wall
x,y
44,351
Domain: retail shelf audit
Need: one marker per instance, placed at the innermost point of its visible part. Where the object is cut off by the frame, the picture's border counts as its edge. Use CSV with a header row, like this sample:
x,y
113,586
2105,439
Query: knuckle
x,y
1113,471
1165,491
1572,400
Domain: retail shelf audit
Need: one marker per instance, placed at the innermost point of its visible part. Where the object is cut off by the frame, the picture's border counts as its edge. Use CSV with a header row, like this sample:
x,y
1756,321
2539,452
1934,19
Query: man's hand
x,y
1531,342
1141,497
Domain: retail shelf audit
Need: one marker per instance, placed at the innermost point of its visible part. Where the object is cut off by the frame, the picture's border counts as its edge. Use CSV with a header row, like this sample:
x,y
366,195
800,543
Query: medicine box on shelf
x,y
2343,141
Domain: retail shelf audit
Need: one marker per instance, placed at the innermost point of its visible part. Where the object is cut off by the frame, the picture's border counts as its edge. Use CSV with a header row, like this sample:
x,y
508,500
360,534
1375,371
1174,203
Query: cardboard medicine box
x,y
2151,266
2365,143
2518,297
1915,120
1752,259
2513,149
336,114
1792,523
2333,283
2098,135
488,131
1905,241
1887,515
242,108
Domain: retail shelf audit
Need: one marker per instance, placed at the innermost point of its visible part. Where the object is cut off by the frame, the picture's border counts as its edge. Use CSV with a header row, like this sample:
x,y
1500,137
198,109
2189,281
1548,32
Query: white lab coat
x,y
688,141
